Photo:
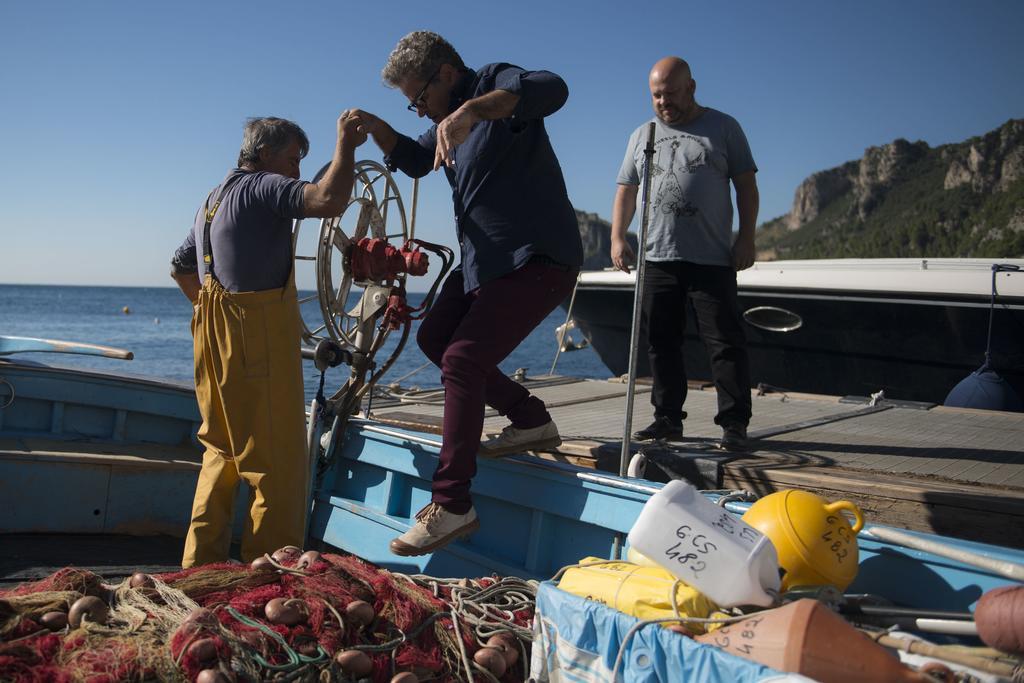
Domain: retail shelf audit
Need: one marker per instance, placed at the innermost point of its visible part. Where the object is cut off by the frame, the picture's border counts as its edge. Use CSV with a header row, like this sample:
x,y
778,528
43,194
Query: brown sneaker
x,y
516,440
435,527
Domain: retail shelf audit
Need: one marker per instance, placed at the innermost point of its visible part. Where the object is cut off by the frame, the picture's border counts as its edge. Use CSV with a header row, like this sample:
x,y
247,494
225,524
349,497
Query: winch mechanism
x,y
360,289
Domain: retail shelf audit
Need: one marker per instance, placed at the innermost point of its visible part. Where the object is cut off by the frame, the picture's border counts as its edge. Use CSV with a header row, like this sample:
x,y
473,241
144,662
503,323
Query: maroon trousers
x,y
467,335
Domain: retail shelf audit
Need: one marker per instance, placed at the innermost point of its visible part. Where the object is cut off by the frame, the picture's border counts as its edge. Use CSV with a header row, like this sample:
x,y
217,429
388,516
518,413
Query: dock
x,y
950,471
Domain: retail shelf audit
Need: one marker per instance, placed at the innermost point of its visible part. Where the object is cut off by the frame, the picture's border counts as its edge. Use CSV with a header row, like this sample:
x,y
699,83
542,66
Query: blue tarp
x,y
577,641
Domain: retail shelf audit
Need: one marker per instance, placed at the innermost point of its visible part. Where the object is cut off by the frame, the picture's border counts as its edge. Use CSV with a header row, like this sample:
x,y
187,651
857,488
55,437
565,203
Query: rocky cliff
x,y
909,199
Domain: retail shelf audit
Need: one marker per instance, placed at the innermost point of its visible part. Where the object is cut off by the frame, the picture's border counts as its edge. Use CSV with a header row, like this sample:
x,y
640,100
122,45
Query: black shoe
x,y
661,428
734,437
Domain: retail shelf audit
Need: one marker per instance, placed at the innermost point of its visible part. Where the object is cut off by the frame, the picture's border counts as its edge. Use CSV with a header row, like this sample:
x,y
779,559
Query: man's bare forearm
x,y
748,201
189,285
623,210
328,196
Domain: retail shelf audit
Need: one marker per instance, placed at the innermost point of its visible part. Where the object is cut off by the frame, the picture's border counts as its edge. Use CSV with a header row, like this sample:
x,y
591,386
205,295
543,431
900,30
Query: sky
x,y
120,116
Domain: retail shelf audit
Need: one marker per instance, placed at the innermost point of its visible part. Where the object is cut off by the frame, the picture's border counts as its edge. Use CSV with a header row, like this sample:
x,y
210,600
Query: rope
x,y
462,646
639,625
295,659
491,609
487,610
410,374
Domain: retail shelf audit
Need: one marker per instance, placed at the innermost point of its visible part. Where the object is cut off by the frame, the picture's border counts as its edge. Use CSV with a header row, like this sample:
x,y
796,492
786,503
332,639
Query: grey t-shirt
x,y
251,233
691,203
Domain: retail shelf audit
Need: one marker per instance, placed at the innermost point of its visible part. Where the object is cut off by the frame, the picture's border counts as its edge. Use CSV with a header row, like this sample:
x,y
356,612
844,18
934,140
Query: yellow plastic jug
x,y
815,542
643,591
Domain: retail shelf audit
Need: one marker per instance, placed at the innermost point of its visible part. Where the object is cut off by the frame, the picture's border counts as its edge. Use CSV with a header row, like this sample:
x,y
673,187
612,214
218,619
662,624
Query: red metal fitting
x,y
374,259
415,260
398,312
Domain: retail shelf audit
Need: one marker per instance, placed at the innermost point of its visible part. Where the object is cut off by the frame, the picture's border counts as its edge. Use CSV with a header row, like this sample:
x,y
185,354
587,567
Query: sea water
x,y
156,329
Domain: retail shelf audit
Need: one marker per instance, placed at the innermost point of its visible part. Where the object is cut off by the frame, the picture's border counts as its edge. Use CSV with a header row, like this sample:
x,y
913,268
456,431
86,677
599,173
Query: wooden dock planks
x,y
950,471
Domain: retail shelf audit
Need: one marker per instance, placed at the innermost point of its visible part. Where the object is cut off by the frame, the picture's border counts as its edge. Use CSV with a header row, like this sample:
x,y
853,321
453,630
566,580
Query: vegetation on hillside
x,y
915,217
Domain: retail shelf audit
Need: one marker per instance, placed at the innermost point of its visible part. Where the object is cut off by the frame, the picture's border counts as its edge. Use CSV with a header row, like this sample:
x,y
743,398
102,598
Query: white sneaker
x,y
515,440
435,527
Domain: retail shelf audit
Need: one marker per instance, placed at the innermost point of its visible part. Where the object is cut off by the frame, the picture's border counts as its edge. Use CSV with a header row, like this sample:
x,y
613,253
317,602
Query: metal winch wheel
x,y
374,210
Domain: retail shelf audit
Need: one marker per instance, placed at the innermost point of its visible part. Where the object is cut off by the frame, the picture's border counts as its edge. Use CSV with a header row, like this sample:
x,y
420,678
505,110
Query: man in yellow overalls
x,y
236,268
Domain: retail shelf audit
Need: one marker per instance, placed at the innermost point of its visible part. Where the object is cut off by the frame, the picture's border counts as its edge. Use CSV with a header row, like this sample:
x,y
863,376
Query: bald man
x,y
690,250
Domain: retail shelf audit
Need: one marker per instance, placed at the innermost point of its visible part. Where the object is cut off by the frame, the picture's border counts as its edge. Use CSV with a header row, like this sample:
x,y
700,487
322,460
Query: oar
x,y
9,345
955,627
854,609
926,649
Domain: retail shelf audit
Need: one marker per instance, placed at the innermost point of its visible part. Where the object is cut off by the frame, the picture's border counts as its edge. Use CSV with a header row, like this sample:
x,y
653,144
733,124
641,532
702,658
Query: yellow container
x,y
642,591
815,542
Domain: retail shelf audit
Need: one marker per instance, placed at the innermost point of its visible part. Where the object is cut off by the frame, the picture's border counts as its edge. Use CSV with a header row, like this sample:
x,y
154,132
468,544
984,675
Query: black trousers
x,y
712,289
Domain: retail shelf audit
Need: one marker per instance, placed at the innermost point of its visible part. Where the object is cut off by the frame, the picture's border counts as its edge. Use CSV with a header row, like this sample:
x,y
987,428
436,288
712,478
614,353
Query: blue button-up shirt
x,y
507,186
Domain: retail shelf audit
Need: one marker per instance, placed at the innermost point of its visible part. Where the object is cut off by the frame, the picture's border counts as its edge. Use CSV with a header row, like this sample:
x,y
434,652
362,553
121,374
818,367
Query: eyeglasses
x,y
419,100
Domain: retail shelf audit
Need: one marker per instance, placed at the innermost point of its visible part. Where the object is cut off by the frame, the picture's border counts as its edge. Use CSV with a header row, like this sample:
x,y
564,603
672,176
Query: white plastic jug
x,y
707,547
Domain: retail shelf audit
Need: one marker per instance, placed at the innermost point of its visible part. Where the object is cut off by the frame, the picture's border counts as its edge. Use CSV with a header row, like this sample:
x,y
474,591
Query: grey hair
x,y
419,55
272,133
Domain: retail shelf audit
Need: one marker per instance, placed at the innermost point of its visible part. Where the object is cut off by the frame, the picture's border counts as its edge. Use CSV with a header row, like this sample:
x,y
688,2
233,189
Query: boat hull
x,y
806,337
92,452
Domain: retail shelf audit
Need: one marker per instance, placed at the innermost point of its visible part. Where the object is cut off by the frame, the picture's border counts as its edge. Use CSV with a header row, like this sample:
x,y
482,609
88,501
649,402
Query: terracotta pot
x,y
807,638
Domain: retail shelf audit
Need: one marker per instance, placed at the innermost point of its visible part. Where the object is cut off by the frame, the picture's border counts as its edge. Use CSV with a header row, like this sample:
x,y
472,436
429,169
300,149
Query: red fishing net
x,y
334,618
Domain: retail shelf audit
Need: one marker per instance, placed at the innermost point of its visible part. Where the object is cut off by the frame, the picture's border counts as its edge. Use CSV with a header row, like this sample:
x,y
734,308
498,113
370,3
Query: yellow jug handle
x,y
858,517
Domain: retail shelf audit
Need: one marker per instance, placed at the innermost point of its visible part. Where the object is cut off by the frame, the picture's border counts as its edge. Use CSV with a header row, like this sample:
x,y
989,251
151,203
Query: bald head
x,y
670,69
672,90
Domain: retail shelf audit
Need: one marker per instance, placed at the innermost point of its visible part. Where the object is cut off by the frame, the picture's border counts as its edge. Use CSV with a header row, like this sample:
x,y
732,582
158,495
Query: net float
x,y
88,608
356,663
999,616
288,553
360,613
492,659
55,621
286,611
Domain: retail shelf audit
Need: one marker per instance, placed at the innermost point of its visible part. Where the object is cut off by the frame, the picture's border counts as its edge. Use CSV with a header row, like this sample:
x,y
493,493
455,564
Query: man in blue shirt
x,y
520,246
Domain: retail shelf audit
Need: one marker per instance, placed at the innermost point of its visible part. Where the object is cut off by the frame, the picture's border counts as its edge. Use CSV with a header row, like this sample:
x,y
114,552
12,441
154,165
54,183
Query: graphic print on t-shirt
x,y
685,154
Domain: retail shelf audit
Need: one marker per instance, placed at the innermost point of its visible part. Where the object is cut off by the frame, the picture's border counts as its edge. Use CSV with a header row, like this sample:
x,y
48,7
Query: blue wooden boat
x,y
97,467
538,516
113,454
88,451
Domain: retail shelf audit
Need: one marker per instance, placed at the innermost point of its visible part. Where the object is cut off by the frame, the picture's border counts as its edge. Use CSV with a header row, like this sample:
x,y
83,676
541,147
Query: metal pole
x,y
638,287
641,268
1005,568
415,196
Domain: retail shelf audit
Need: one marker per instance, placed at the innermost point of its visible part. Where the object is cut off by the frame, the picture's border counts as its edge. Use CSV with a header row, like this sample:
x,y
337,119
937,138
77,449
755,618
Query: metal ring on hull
x,y
374,210
773,319
10,399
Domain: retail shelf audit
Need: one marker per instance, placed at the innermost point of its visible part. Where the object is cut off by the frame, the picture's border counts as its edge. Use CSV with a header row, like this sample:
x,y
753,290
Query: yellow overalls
x,y
248,373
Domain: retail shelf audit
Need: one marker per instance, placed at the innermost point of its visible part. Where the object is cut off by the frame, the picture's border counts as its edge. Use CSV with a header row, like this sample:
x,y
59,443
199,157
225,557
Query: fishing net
x,y
219,623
